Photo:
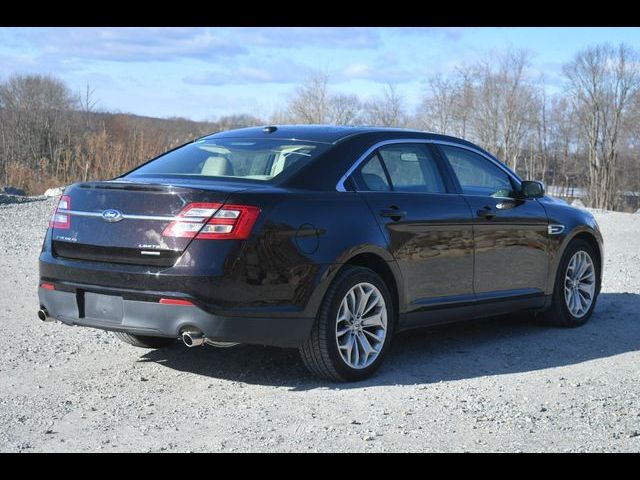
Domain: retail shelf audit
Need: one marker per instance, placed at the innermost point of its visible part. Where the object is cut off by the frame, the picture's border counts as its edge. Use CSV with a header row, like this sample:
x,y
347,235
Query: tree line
x,y
584,133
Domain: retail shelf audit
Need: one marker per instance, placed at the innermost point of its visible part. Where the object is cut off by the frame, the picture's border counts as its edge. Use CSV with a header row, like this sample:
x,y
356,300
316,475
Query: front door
x,y
428,226
510,233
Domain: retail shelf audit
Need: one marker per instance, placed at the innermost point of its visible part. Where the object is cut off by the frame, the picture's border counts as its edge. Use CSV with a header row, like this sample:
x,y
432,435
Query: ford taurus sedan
x,y
325,239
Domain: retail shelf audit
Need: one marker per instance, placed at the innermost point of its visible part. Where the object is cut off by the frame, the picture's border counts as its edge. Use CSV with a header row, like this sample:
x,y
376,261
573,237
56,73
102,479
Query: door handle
x,y
394,213
506,205
486,212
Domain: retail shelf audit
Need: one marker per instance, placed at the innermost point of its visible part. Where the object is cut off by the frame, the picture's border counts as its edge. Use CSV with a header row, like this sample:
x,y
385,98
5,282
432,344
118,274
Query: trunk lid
x,y
121,221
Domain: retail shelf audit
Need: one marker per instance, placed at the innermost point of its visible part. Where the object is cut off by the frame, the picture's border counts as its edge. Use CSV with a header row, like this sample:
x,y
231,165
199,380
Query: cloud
x,y
357,70
446,33
136,44
258,72
383,69
123,44
131,68
326,37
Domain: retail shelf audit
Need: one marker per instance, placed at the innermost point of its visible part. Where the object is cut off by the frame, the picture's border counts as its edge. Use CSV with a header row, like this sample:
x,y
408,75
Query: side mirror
x,y
532,189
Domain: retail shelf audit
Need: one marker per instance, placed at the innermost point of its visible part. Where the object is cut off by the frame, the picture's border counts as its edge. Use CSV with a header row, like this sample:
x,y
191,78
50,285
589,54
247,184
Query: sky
x,y
205,73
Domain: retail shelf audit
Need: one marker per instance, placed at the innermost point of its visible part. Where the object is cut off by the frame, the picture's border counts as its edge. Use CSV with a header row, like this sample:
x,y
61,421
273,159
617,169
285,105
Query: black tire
x,y
320,352
558,314
144,341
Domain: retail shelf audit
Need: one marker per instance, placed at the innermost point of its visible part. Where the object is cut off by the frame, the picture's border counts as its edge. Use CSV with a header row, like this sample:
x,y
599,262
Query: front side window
x,y
476,174
260,159
401,168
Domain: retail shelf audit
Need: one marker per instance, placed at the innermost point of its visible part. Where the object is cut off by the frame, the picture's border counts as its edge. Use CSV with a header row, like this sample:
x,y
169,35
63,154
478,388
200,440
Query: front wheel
x,y
353,329
576,288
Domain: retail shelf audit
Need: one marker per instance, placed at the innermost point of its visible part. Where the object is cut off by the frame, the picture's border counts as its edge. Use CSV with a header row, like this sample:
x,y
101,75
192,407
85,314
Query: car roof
x,y
318,133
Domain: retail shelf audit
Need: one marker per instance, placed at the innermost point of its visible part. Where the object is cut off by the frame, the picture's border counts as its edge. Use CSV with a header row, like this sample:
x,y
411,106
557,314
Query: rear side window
x,y
476,174
373,176
412,168
401,168
260,159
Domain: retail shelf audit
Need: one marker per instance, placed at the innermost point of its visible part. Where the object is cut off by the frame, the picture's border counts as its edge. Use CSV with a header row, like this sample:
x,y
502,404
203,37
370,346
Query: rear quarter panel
x,y
300,242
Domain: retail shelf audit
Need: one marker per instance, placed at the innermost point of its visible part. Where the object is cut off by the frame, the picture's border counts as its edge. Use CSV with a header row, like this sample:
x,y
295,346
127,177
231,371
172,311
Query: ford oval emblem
x,y
112,215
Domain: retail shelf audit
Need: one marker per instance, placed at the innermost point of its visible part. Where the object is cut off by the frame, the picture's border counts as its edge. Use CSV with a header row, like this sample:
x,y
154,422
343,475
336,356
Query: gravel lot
x,y
494,385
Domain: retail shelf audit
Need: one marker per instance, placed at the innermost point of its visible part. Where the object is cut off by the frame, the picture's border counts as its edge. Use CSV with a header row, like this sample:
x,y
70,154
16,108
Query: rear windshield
x,y
261,159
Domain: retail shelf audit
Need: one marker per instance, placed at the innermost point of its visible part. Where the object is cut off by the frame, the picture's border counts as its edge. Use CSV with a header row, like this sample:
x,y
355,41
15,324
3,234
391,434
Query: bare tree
x,y
562,140
631,164
463,102
310,103
35,120
313,103
492,102
448,105
504,105
586,136
344,109
242,120
387,110
88,102
51,137
603,82
438,107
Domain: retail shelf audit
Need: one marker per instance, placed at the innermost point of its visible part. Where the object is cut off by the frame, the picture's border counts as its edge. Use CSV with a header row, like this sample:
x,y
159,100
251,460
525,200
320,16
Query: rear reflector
x,y
175,301
47,286
213,221
61,220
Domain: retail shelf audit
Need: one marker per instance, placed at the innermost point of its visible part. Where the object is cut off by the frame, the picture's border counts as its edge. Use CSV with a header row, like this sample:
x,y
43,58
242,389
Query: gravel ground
x,y
494,385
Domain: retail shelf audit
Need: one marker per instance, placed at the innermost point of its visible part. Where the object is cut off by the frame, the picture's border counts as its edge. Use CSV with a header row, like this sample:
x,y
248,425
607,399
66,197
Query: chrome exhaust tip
x,y
193,339
44,315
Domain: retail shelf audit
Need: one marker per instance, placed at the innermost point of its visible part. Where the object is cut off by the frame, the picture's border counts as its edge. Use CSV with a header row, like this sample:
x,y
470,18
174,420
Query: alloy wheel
x,y
579,284
361,325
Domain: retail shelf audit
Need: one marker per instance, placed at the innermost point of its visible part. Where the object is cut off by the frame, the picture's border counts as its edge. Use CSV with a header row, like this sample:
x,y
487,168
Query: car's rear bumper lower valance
x,y
111,312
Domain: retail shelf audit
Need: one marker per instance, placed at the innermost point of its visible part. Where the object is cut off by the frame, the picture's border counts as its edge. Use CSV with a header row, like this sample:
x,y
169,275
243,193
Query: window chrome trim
x,y
340,185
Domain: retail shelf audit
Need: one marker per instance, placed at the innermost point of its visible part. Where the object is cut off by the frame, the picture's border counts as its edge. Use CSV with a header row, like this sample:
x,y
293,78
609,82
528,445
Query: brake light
x,y
59,219
213,221
175,301
47,286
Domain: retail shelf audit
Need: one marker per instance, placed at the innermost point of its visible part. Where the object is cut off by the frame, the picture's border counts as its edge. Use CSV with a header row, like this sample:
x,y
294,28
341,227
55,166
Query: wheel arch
x,y
372,257
382,268
592,237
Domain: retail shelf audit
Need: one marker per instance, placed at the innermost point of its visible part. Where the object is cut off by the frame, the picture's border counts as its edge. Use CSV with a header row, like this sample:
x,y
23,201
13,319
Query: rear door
x,y
428,226
510,233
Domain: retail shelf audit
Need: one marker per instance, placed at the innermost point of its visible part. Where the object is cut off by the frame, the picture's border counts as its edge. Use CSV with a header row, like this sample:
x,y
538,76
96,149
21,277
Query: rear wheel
x,y
144,341
576,288
353,329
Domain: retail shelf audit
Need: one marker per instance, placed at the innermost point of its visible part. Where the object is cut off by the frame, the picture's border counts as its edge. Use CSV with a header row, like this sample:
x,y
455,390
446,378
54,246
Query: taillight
x,y
232,222
59,219
175,301
213,221
47,286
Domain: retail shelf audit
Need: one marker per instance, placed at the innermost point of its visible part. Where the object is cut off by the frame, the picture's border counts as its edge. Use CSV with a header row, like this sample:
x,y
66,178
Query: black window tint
x,y
477,175
373,176
412,168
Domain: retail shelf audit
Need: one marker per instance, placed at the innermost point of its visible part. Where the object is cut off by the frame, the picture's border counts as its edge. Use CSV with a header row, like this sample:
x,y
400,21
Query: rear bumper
x,y
160,320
